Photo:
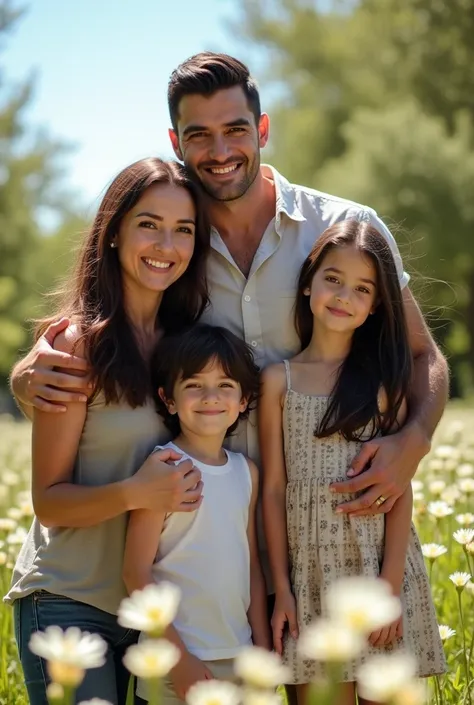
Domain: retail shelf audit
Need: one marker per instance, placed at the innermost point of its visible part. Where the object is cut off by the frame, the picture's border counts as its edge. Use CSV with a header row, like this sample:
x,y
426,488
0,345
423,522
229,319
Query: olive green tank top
x,y
85,564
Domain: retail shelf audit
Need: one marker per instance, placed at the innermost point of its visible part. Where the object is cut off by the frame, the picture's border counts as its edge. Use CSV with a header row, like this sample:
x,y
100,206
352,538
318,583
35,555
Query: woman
x,y
140,274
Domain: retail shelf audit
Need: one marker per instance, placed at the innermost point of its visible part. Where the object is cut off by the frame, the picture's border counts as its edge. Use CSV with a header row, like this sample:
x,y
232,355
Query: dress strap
x,y
288,374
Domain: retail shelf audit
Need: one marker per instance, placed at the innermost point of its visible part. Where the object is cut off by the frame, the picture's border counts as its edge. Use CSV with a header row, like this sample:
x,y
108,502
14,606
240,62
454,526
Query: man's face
x,y
217,139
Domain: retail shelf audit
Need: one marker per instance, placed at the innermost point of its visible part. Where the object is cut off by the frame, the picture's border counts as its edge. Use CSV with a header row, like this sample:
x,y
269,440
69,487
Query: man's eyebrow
x,y
338,271
160,218
238,122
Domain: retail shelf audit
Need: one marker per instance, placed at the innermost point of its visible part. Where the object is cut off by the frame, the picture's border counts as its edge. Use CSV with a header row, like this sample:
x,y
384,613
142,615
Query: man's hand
x,y
284,614
37,382
391,464
187,672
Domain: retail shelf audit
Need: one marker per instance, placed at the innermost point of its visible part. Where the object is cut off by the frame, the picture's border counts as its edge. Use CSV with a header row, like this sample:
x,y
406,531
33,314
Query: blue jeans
x,y
42,609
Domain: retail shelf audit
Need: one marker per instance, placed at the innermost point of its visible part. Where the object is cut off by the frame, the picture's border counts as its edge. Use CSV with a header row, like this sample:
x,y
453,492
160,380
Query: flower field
x,y
444,515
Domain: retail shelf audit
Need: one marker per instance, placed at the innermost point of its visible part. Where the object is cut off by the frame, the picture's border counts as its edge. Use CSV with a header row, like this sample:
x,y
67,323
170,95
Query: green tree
x,y
29,178
375,104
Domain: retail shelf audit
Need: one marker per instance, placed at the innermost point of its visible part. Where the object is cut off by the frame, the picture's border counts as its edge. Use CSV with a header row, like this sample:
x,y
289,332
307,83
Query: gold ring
x,y
380,500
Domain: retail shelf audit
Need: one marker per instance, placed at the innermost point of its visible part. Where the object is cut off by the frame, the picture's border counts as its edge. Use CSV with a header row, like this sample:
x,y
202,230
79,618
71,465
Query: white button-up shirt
x,y
259,308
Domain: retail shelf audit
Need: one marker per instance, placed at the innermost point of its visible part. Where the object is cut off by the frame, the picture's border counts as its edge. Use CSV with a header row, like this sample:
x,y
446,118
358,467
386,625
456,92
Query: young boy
x,y
206,380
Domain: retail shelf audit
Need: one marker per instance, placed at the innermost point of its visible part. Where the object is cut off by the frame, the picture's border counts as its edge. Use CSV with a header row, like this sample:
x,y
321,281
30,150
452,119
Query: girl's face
x,y
155,241
343,291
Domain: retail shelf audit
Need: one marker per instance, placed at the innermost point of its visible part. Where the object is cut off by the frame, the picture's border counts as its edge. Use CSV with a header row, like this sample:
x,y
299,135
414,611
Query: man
x,y
263,229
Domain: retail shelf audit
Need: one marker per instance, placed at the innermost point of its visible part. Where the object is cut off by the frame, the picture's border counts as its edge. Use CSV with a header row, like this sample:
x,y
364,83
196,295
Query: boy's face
x,y
207,403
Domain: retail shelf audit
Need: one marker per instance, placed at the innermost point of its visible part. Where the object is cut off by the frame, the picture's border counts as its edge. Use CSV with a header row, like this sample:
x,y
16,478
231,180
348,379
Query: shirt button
x,y
247,298
254,343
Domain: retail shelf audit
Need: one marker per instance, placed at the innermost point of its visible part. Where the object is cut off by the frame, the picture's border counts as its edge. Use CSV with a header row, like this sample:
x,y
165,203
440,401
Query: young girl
x,y
348,384
206,380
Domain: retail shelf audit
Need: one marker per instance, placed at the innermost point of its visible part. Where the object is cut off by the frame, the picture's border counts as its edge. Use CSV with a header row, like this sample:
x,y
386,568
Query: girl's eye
x,y
364,290
332,280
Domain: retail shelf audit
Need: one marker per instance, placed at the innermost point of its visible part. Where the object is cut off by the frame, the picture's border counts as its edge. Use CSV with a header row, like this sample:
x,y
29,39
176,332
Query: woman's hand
x,y
161,485
37,382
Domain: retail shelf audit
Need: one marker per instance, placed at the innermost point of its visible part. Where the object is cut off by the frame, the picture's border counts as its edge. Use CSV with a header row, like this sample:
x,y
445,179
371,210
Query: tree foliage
x,y
376,103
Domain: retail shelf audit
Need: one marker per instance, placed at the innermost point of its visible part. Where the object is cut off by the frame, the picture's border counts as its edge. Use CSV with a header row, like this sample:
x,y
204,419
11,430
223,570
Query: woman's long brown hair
x,y
380,356
93,296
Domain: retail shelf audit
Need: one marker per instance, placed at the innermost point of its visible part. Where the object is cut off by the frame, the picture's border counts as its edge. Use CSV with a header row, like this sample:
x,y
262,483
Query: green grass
x,y
454,435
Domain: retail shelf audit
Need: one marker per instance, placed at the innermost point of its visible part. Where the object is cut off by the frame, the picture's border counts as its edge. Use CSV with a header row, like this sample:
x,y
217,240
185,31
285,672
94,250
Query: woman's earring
x,y
113,244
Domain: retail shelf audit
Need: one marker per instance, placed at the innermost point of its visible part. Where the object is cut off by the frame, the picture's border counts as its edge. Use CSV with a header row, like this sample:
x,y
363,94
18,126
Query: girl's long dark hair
x,y
380,356
93,297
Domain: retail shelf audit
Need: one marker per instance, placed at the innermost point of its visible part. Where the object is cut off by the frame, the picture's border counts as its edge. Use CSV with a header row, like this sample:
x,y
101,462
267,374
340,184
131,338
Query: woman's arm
x,y
59,502
257,613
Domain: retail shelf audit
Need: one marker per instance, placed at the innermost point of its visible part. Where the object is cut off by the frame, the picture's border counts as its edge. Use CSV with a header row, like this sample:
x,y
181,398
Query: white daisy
x,y
460,579
465,519
440,509
464,536
445,632
259,668
68,653
330,641
150,610
384,676
437,486
363,604
466,485
465,470
213,692
433,550
151,658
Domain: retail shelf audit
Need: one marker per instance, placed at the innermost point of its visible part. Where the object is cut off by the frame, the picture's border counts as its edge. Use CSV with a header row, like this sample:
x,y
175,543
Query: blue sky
x,y
102,68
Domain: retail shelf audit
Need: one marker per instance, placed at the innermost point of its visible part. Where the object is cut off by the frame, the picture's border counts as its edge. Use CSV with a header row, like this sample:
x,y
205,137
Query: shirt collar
x,y
285,193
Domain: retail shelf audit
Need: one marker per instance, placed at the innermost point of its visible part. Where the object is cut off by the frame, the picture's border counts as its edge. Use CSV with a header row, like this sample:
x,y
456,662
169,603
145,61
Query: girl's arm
x,y
274,500
257,613
397,527
58,501
274,473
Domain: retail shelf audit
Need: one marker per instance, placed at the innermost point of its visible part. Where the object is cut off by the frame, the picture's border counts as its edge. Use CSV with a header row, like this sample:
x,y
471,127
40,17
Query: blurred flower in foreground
x,y
464,536
68,653
260,668
327,640
465,519
150,610
459,579
470,548
151,658
7,524
437,486
95,701
385,676
470,587
261,697
412,693
466,485
440,509
417,485
213,692
363,604
446,452
433,550
451,495
465,470
445,632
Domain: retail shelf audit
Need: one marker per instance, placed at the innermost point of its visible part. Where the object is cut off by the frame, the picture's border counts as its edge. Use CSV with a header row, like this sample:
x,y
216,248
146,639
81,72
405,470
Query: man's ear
x,y
169,403
263,130
175,144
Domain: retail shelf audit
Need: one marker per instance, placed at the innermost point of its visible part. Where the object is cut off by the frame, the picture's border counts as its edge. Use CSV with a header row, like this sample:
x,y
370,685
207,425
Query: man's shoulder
x,y
322,201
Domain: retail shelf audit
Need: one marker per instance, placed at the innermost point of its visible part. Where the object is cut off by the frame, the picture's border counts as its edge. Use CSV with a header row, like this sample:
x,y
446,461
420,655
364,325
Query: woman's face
x,y
155,241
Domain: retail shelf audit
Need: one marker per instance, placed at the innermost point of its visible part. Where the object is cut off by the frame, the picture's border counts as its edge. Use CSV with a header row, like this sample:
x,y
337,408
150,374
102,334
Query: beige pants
x,y
223,670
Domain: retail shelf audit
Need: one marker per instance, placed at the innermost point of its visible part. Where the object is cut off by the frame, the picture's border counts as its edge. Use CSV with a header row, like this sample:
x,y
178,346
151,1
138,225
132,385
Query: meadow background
x,y
369,99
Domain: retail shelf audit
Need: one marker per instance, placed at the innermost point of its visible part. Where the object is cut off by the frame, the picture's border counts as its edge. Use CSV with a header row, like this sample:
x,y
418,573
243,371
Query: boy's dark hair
x,y
206,73
186,354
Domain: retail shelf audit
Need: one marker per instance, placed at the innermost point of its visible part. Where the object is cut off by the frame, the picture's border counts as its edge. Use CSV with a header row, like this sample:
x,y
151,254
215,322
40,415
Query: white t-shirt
x,y
206,554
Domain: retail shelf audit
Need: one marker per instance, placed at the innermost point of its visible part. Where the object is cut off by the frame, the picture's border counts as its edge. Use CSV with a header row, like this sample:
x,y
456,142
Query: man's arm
x,y
47,379
394,459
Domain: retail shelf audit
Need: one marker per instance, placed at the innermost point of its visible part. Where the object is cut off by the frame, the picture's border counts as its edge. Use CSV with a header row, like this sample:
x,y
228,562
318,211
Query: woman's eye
x,y
183,229
146,224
